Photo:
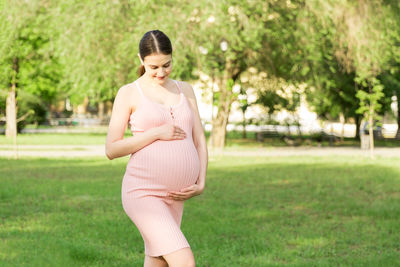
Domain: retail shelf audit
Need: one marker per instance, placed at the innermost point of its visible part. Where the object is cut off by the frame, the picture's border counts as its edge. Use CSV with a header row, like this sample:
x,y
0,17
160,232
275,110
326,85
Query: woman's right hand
x,y
170,132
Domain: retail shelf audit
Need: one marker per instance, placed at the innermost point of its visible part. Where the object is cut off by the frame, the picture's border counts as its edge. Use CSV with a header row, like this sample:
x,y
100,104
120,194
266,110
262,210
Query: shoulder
x,y
123,90
127,94
187,89
128,91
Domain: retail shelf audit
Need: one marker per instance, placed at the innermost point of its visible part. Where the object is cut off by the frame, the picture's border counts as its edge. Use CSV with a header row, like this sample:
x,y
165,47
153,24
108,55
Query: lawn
x,y
234,139
255,211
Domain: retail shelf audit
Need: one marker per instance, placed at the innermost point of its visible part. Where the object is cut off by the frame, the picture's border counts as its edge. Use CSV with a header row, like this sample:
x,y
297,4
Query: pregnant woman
x,y
168,152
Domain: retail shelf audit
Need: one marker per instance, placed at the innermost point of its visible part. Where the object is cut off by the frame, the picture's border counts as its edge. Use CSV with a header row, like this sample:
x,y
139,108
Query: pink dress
x,y
157,168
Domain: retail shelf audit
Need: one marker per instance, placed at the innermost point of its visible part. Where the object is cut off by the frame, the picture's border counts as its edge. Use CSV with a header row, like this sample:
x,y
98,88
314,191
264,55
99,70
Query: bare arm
x,y
199,138
116,145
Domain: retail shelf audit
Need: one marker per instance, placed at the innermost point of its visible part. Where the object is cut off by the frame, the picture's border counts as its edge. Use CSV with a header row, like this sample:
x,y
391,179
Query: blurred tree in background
x,y
30,71
357,32
342,56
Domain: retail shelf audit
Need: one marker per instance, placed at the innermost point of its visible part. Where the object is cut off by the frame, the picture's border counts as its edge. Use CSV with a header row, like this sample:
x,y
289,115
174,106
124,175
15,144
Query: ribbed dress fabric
x,y
157,168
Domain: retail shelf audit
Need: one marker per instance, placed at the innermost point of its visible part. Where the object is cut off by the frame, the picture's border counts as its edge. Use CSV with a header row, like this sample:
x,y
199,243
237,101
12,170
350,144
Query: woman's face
x,y
157,66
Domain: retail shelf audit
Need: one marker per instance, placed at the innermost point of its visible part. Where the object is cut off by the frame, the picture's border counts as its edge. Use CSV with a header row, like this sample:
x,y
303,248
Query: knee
x,y
189,262
181,258
183,262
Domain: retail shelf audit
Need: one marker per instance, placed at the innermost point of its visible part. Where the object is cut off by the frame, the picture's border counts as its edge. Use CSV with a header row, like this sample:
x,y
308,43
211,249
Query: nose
x,y
161,72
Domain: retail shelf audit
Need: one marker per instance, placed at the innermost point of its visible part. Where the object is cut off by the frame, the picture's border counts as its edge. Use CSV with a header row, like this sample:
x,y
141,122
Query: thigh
x,y
150,261
182,257
158,224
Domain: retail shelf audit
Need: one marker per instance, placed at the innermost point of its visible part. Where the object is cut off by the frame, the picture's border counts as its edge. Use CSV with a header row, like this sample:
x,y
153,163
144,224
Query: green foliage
x,y
99,43
33,104
89,48
26,41
243,99
343,45
391,83
369,100
272,101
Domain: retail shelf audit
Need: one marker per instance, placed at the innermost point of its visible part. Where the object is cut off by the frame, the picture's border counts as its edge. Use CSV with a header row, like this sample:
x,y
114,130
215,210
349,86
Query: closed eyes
x,y
166,66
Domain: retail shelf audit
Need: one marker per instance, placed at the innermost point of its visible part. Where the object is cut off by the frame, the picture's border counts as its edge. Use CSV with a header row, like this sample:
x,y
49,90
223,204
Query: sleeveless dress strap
x,y
179,89
139,89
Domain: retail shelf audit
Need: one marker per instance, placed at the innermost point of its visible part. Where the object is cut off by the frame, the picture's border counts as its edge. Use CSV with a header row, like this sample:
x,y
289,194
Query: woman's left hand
x,y
185,193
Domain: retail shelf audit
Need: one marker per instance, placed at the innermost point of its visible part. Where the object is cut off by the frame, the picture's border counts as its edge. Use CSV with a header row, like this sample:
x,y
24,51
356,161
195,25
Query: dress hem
x,y
165,253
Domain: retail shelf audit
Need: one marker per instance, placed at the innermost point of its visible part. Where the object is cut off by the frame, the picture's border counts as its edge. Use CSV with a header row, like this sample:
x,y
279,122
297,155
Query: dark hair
x,y
153,42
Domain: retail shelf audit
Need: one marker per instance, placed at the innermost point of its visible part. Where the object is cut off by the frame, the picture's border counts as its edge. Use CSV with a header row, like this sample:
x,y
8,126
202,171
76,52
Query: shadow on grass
x,y
254,212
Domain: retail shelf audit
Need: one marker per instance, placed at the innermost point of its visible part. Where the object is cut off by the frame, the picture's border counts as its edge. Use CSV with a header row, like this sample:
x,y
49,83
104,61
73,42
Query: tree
x,y
363,47
99,43
391,82
391,78
233,37
28,64
330,91
357,32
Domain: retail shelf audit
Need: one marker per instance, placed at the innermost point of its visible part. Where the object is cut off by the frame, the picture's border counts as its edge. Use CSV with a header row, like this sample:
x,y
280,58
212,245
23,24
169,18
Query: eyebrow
x,y
156,65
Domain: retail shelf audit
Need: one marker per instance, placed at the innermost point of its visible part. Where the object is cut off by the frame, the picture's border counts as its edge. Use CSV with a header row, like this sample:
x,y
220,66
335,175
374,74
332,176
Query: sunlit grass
x,y
255,211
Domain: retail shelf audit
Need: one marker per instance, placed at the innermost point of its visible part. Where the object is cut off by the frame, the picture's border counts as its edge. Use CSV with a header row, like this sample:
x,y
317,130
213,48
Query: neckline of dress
x,y
162,105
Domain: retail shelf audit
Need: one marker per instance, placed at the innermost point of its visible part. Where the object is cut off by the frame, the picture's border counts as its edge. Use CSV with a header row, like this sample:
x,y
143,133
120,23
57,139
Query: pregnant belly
x,y
170,164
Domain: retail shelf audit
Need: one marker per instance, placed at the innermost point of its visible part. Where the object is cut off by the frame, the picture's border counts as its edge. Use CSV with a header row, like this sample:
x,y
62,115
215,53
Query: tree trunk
x,y
11,105
299,130
100,110
371,131
298,126
357,119
342,121
244,134
331,135
220,122
11,116
225,84
212,97
398,115
218,132
81,109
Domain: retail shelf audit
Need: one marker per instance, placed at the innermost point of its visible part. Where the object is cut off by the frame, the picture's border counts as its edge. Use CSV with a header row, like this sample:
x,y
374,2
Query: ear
x,y
141,61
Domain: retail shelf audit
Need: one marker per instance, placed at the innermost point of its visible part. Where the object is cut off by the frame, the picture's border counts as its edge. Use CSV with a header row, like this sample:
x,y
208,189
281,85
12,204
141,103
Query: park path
x,y
99,151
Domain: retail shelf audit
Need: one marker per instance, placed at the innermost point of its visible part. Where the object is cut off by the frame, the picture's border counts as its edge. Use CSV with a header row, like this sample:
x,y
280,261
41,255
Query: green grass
x,y
255,211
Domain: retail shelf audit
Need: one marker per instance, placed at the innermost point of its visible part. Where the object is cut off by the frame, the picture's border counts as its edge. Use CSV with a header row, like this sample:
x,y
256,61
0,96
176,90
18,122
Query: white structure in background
x,y
68,104
308,119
